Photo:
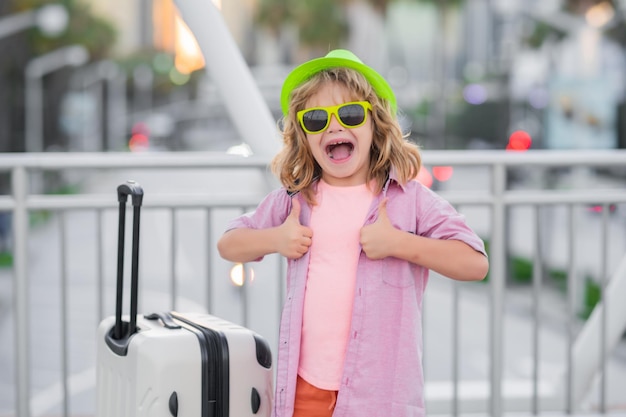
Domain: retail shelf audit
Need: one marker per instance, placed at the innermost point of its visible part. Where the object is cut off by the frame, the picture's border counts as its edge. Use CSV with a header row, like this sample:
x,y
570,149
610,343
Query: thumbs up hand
x,y
295,239
376,238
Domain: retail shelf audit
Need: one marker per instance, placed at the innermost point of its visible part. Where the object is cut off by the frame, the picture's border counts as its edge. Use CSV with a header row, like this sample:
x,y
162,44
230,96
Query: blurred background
x,y
126,79
468,73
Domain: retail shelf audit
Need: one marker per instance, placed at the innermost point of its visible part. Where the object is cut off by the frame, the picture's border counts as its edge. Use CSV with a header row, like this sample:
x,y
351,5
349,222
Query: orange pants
x,y
312,401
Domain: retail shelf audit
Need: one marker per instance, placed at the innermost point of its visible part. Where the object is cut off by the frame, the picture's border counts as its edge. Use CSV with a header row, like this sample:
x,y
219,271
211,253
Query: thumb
x,y
382,210
295,210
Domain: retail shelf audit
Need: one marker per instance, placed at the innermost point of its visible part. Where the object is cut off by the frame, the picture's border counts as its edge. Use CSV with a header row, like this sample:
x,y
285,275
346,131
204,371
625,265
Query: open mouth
x,y
339,150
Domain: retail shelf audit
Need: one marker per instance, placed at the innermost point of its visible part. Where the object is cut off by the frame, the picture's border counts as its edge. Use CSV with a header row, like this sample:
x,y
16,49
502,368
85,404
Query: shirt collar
x,y
393,176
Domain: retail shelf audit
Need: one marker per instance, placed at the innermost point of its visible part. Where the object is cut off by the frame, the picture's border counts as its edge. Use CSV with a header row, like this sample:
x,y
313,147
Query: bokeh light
x,y
475,94
443,173
519,141
425,177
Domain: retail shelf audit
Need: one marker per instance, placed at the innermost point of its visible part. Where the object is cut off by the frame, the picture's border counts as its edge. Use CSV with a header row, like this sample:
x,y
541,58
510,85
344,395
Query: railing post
x,y
570,400
173,262
19,183
604,332
537,279
497,281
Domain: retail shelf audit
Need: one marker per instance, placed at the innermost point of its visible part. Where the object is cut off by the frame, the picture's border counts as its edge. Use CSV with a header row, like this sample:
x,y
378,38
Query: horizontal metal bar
x,y
155,202
6,203
593,196
161,160
58,202
466,197
547,158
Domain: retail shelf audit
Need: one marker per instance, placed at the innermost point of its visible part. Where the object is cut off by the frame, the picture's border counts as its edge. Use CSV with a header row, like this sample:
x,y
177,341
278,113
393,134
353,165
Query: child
x,y
360,235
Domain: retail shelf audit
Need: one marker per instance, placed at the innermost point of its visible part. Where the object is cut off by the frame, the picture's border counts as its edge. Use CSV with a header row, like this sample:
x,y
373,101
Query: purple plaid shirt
x,y
383,373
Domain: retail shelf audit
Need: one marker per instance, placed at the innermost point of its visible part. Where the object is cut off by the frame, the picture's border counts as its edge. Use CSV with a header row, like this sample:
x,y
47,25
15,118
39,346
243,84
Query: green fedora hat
x,y
334,59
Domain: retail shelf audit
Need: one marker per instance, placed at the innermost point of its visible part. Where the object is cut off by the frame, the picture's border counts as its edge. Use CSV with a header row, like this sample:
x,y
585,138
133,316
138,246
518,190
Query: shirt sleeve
x,y
271,212
438,219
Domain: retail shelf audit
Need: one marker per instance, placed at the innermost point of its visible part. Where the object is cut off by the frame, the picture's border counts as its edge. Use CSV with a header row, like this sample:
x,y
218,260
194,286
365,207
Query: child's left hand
x,y
377,238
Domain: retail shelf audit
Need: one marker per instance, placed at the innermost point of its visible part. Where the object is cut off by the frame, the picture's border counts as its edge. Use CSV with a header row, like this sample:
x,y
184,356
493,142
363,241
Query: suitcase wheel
x,y
255,400
173,404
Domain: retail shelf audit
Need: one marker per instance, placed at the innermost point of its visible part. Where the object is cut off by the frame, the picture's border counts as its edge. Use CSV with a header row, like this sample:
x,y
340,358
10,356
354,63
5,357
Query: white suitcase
x,y
177,364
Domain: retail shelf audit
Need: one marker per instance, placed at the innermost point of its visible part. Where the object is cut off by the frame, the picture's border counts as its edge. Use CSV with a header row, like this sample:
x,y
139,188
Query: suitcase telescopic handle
x,y
136,192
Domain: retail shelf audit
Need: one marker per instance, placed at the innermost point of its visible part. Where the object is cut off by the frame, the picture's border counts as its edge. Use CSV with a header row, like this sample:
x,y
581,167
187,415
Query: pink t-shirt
x,y
336,222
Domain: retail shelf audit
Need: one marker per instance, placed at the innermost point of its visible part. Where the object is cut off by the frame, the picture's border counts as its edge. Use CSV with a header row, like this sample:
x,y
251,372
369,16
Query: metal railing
x,y
229,185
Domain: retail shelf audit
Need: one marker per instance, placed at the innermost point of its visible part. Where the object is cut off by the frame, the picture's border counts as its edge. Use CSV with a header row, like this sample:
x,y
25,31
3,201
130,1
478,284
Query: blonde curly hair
x,y
295,165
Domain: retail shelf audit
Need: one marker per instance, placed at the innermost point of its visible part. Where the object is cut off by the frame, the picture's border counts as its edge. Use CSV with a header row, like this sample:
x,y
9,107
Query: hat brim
x,y
305,71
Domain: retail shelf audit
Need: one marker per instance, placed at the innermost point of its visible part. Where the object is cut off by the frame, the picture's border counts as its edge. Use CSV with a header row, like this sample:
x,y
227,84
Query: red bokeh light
x,y
140,138
138,142
425,177
140,128
519,141
443,173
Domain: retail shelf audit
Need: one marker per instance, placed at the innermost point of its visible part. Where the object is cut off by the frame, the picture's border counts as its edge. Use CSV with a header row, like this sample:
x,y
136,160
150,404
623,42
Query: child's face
x,y
342,153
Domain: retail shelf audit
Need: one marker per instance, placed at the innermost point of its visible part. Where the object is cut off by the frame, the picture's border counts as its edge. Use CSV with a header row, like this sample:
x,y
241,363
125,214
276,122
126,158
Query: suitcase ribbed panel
x,y
246,374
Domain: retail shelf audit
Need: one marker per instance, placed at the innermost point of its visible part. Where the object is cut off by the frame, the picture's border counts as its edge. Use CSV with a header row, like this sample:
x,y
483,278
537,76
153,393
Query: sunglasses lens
x,y
352,114
315,120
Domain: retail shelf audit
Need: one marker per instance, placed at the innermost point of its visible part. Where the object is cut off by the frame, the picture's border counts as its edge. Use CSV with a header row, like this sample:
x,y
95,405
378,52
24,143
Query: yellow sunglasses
x,y
349,115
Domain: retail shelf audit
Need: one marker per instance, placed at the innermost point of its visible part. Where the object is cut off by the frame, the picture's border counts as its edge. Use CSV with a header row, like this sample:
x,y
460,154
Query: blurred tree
x,y
320,24
84,28
309,14
272,14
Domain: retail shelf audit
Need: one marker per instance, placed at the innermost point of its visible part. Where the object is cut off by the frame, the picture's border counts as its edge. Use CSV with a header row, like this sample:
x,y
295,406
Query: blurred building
x,y
476,66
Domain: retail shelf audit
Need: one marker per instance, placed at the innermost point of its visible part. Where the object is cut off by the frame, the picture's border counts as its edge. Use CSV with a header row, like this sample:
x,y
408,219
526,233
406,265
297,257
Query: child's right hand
x,y
295,239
